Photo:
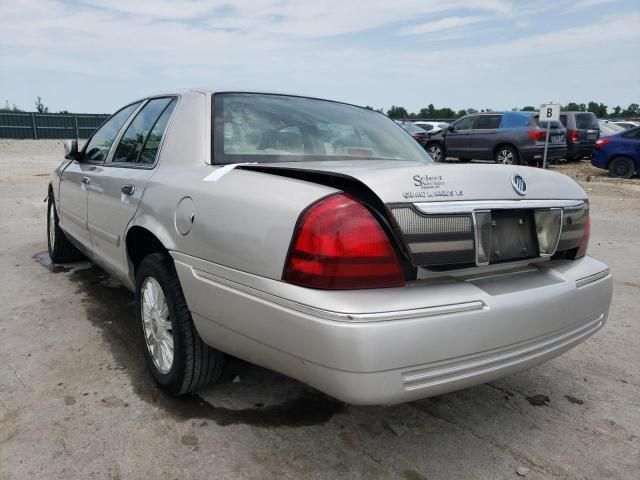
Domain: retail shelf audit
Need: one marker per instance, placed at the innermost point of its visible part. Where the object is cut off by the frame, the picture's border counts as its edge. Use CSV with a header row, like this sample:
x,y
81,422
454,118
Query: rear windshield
x,y
413,128
586,121
267,128
543,124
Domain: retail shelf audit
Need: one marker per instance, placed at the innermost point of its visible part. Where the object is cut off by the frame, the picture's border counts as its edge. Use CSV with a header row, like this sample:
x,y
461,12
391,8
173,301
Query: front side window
x,y
465,123
101,141
133,140
267,128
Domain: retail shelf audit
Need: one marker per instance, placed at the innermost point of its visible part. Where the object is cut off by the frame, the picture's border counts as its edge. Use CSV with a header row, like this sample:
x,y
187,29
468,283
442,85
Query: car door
x,y
117,185
76,177
457,139
483,137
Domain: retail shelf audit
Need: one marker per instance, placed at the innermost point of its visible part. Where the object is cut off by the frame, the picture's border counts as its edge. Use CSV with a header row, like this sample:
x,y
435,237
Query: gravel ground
x,y
76,402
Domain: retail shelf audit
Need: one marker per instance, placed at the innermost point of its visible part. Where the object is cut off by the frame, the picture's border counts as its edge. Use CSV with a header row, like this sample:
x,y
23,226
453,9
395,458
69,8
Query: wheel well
x,y
500,145
140,243
620,156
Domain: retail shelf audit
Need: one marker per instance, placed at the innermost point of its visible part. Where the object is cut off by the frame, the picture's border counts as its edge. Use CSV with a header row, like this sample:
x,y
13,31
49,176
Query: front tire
x,y
436,151
507,156
622,167
61,250
179,361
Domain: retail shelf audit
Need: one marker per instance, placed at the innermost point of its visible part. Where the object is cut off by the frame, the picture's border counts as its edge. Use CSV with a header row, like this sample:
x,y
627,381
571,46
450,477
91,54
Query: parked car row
x,y
518,138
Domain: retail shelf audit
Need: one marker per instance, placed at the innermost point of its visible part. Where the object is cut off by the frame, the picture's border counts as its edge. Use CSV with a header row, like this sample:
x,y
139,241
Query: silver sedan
x,y
318,239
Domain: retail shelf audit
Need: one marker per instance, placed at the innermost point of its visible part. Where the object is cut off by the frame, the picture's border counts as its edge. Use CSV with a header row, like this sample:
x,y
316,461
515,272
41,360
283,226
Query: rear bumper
x,y
575,149
536,154
600,159
360,348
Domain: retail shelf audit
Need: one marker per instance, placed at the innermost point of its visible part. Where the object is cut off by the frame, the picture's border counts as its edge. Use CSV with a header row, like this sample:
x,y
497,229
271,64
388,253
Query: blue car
x,y
620,153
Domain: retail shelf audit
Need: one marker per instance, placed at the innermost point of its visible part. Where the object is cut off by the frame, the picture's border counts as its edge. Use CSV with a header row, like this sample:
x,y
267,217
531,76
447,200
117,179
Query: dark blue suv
x,y
510,137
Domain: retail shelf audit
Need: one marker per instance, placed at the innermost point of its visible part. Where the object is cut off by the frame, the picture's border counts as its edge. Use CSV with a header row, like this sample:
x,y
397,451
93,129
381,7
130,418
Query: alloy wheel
x,y
158,331
505,157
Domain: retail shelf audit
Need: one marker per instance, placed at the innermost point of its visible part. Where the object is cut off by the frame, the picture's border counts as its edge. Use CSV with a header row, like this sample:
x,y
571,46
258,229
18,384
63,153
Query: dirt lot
x,y
76,402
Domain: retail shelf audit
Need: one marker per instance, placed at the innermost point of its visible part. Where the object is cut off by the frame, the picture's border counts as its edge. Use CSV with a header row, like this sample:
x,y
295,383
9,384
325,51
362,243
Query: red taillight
x,y
582,248
601,142
417,138
572,135
340,245
537,135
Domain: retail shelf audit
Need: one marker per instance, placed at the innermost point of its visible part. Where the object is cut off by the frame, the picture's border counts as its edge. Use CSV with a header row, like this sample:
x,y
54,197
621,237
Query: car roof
x,y
209,91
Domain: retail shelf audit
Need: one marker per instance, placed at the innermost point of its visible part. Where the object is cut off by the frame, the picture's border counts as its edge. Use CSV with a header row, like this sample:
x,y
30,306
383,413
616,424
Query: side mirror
x,y
451,128
71,149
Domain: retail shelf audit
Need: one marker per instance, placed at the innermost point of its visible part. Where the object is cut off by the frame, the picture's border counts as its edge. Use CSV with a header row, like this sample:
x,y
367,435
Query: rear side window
x,y
151,146
515,120
426,127
563,120
101,141
586,121
486,122
133,141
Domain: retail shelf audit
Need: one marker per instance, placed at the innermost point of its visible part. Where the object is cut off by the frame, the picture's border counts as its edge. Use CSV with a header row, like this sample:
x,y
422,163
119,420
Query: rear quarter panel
x,y
244,221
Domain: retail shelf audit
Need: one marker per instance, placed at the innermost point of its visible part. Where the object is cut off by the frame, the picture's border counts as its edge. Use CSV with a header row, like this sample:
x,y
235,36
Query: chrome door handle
x,y
128,189
86,180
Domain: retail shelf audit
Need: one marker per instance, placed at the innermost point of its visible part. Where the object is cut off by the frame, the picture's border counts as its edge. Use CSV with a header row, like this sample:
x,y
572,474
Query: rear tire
x,y
436,151
61,250
179,361
622,167
507,155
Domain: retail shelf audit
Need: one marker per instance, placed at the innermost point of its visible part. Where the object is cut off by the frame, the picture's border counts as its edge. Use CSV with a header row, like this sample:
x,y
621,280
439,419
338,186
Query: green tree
x,y
461,113
632,110
600,109
445,113
617,110
529,108
7,109
397,112
471,110
40,107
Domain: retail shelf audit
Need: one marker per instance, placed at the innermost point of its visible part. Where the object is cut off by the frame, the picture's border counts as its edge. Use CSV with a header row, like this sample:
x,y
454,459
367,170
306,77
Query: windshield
x,y
586,121
266,128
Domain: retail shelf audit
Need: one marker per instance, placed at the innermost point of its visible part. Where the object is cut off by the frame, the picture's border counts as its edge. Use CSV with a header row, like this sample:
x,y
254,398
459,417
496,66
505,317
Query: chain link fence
x,y
33,125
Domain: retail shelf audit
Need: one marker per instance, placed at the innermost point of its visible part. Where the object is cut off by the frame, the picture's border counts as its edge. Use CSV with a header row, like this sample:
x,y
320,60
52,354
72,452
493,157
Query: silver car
x,y
318,239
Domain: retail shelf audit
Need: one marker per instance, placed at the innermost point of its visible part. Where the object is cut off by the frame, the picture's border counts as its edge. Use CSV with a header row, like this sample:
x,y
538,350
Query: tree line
x,y
600,110
397,112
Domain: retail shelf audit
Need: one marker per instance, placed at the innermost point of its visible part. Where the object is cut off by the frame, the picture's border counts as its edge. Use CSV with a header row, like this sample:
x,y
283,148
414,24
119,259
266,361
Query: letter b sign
x,y
550,112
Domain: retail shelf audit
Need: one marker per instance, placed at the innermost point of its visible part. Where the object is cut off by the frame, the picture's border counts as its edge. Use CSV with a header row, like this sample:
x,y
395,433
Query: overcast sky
x,y
94,56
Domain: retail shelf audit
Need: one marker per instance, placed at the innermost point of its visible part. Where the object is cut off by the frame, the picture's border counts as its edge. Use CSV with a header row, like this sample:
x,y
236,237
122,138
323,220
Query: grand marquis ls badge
x,y
518,184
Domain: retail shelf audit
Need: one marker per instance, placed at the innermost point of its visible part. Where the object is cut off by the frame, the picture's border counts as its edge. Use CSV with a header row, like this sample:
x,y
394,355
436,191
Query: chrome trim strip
x,y
339,316
581,282
469,206
446,246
